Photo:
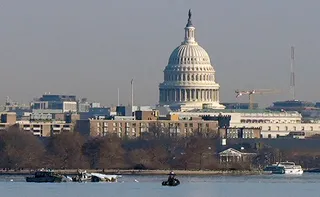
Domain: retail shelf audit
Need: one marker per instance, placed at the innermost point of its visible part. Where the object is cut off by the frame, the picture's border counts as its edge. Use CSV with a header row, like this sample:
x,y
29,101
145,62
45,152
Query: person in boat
x,y
171,178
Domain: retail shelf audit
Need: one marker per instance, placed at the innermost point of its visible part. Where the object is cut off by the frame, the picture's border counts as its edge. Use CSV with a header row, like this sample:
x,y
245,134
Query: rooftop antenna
x,y
292,76
118,97
132,95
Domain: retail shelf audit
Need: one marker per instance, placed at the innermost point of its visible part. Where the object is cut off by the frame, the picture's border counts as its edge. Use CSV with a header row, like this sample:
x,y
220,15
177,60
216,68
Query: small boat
x,y
284,168
94,177
46,176
176,182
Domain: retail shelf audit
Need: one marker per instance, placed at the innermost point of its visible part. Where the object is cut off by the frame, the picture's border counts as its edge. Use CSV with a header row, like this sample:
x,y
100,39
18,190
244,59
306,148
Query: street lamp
x,y
202,155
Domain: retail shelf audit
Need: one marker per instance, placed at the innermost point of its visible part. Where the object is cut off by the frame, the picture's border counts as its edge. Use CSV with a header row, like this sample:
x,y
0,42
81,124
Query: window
x,y
269,128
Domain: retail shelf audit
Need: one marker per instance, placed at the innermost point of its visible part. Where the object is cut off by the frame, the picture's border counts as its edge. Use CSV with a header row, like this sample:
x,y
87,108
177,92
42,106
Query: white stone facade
x,y
189,78
272,124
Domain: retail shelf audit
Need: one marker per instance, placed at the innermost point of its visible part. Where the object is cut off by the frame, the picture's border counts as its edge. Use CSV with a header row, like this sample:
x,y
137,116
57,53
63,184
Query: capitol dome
x,y
189,53
189,77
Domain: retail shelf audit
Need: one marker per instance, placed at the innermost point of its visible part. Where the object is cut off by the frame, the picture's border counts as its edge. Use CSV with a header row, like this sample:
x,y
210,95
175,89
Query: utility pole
x,y
292,75
131,95
118,97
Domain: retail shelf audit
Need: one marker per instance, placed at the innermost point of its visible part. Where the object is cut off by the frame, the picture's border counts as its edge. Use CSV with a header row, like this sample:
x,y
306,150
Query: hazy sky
x,y
90,48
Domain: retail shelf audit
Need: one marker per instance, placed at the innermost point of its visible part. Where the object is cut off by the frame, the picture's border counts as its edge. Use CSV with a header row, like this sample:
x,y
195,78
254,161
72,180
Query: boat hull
x,y
44,179
293,171
175,183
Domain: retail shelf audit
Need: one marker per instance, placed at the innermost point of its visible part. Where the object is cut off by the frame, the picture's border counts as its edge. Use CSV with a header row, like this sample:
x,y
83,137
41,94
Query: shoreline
x,y
145,172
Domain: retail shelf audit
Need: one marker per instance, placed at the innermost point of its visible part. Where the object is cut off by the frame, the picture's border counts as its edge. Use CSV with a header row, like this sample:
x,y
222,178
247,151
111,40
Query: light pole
x,y
202,155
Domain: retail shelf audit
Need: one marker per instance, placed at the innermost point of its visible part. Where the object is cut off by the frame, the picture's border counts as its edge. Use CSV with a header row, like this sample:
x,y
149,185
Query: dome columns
x,y
188,94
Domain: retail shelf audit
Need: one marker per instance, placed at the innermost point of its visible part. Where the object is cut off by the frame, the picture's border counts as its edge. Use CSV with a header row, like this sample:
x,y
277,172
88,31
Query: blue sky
x,y
91,48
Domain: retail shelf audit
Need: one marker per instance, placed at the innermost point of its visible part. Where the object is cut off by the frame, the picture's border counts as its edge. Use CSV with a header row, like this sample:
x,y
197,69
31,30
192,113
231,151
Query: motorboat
x,y
46,176
84,176
176,182
284,168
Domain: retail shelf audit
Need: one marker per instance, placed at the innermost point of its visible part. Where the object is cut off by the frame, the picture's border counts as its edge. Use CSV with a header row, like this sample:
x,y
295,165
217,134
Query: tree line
x,y
70,150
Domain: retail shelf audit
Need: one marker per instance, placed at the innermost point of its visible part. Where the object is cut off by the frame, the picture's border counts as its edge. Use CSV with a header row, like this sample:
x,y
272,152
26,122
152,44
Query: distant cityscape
x,y
188,103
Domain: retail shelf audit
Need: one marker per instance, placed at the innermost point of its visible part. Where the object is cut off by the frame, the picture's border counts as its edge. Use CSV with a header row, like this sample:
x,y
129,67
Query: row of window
x,y
189,60
244,134
189,77
105,125
294,128
269,121
191,68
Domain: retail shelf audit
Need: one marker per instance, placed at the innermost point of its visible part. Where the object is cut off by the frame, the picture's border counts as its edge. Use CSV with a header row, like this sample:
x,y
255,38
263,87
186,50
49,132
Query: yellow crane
x,y
252,92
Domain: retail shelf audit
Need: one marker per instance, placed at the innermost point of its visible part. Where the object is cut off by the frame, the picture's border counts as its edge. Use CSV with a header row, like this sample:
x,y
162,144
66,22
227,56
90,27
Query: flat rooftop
x,y
239,111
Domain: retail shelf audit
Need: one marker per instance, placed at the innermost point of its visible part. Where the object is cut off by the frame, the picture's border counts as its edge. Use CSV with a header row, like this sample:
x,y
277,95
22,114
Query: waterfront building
x,y
7,119
273,124
50,103
45,128
41,125
189,77
243,133
146,123
240,105
292,105
83,105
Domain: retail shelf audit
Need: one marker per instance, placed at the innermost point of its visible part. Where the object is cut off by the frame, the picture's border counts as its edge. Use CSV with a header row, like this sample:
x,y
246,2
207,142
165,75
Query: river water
x,y
306,185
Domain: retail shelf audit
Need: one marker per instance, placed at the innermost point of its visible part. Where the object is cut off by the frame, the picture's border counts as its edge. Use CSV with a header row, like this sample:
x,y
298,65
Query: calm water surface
x,y
306,185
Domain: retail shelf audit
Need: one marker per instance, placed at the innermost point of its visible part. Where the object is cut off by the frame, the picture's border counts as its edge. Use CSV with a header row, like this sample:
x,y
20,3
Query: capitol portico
x,y
189,78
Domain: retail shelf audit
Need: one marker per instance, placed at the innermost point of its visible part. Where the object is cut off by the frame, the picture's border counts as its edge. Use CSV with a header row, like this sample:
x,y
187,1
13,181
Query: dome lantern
x,y
189,37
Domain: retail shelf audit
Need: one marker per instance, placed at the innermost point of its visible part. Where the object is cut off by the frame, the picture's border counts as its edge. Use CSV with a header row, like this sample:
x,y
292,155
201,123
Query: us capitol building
x,y
189,77
189,89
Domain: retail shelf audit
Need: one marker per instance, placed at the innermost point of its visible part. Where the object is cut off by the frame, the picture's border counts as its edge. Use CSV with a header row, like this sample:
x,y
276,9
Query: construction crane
x,y
252,92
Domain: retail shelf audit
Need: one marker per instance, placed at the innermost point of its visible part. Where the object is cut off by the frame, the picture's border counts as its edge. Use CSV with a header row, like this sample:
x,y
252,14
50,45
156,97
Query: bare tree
x,y
105,152
65,151
20,149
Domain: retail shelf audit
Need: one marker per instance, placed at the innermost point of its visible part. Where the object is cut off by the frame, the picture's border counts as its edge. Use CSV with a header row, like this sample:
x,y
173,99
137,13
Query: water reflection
x,y
191,186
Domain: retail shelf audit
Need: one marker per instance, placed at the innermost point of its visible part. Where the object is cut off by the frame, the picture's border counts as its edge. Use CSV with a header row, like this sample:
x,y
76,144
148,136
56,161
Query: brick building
x,y
147,122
